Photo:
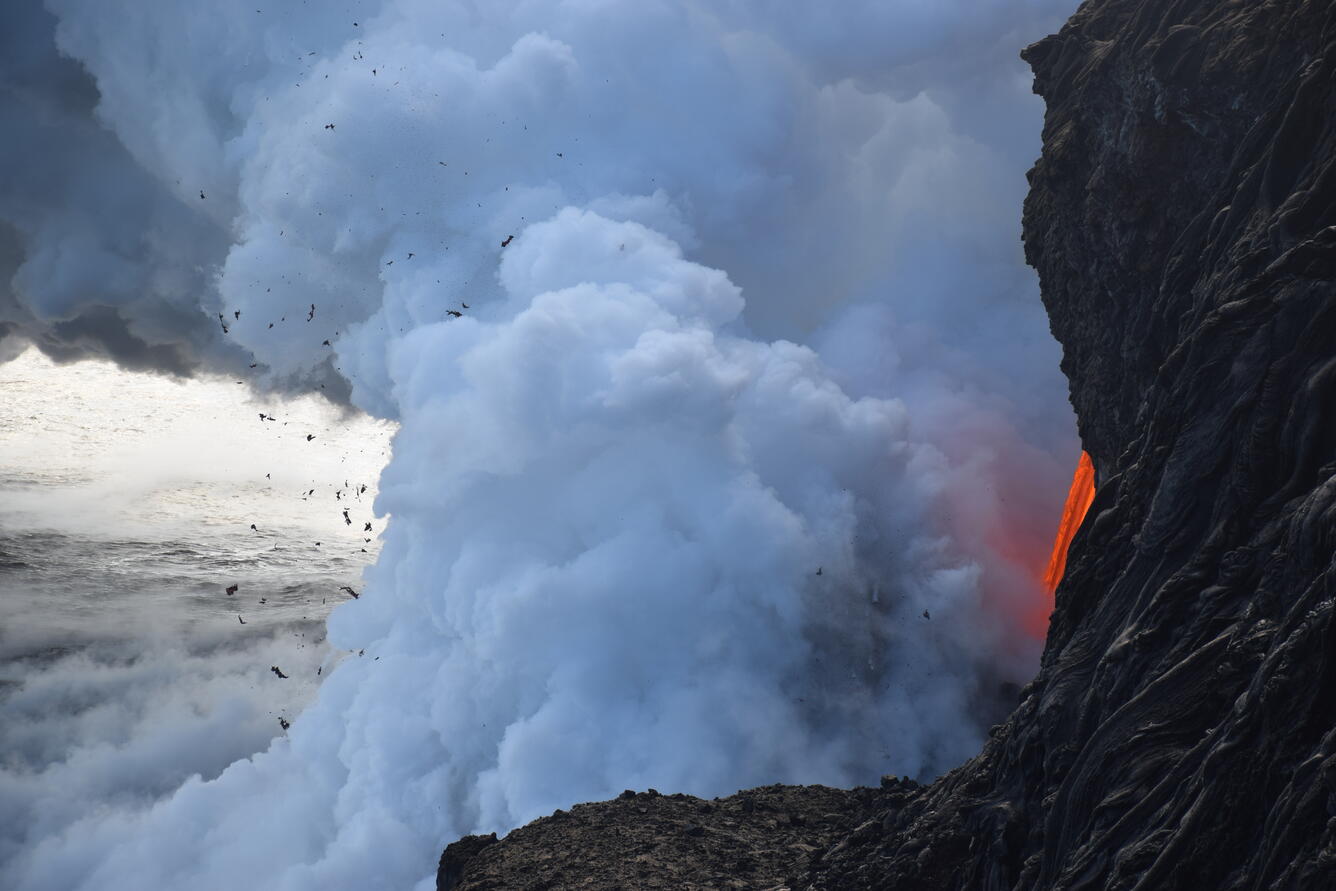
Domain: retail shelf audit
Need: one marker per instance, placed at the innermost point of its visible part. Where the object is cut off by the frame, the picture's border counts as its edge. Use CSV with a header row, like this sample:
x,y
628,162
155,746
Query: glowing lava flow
x,y
1073,512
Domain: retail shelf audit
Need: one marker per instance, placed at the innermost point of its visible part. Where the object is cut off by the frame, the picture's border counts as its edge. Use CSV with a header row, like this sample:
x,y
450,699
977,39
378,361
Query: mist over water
x,y
731,438
125,511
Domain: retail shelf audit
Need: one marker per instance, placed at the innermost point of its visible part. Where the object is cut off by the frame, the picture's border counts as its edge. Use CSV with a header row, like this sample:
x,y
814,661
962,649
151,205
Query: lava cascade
x,y
1079,497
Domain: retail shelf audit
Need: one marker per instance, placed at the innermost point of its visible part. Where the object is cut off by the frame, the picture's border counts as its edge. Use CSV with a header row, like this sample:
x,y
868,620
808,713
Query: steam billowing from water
x,y
641,534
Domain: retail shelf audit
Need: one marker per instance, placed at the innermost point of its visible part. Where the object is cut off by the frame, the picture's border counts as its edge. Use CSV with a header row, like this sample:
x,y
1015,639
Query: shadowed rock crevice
x,y
1181,733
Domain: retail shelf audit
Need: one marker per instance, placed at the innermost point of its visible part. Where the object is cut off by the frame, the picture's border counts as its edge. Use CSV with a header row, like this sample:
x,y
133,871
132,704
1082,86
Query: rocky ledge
x,y
771,837
1181,733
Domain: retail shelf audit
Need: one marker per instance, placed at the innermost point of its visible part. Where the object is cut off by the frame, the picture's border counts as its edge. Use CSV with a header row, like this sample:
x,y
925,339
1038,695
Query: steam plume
x,y
642,535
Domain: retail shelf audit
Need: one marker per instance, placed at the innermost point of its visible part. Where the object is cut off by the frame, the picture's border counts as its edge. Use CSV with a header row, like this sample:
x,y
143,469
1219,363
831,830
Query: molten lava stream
x,y
1079,497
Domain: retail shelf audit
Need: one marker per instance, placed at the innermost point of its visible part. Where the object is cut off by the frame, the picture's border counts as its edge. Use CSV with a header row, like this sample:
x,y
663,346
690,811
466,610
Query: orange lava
x,y
1079,497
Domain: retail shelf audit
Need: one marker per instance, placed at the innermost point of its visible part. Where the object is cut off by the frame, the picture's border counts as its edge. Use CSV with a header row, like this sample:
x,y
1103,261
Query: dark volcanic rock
x,y
761,838
1182,730
1181,733
456,858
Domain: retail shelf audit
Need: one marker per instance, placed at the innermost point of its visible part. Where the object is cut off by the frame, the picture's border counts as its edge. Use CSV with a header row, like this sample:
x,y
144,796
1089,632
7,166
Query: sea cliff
x,y
1181,732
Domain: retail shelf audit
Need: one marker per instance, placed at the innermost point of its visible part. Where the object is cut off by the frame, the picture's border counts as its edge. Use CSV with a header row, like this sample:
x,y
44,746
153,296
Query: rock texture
x,y
758,839
1181,733
1182,730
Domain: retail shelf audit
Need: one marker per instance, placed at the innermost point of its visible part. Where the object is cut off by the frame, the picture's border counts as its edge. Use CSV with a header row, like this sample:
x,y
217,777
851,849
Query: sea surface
x,y
126,510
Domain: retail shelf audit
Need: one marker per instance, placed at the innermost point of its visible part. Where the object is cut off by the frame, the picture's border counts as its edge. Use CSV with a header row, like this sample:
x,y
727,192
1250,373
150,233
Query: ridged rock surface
x,y
1181,733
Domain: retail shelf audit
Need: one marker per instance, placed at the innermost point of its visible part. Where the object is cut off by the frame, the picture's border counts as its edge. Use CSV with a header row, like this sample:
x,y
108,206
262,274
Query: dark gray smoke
x,y
97,257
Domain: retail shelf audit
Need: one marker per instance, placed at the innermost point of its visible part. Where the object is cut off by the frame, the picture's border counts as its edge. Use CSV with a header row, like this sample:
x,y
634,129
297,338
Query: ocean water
x,y
126,507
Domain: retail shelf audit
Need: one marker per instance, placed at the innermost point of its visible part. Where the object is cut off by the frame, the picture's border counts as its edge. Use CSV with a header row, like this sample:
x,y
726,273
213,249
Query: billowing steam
x,y
641,534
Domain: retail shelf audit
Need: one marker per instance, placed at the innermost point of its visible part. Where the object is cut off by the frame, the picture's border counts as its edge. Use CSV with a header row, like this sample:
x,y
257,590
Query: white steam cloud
x,y
641,535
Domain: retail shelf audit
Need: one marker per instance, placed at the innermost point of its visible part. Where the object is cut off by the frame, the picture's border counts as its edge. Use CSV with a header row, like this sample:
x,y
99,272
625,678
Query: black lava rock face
x,y
1181,733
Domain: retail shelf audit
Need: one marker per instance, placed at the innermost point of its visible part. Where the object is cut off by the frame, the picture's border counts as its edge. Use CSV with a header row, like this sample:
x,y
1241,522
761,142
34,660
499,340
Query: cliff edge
x,y
1181,733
